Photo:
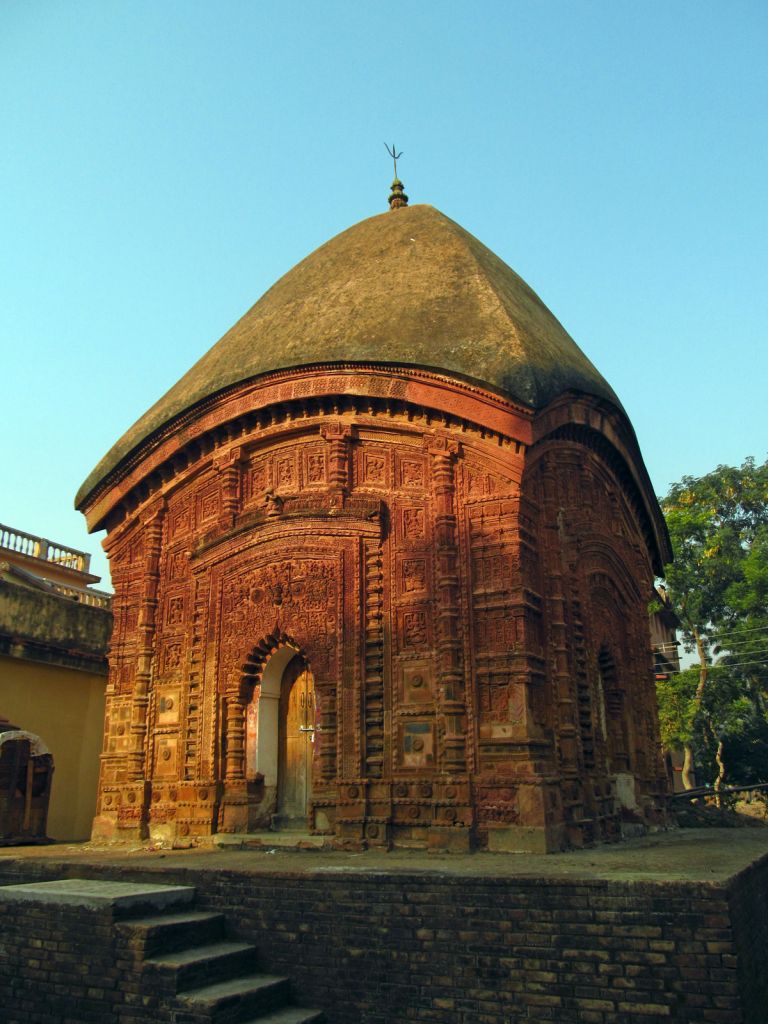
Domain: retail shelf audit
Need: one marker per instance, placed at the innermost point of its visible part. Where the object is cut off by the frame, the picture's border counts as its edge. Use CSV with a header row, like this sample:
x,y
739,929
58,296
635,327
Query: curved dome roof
x,y
408,287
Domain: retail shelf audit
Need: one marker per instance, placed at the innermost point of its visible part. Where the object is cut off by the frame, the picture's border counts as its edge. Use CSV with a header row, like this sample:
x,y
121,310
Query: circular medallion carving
x,y
449,814
372,831
172,794
184,829
121,730
166,754
108,800
203,794
417,743
131,798
401,789
155,798
413,812
169,703
353,792
417,681
426,790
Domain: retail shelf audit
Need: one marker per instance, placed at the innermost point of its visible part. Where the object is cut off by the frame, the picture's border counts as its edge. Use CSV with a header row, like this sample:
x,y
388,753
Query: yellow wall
x,y
66,710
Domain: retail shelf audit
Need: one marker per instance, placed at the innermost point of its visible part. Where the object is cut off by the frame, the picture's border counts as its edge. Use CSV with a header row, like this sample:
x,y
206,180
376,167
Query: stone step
x,y
289,1015
238,998
268,841
126,899
152,936
204,964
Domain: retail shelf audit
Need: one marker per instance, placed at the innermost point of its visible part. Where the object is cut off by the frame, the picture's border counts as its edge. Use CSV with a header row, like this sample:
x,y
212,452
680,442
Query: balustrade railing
x,y
94,598
45,550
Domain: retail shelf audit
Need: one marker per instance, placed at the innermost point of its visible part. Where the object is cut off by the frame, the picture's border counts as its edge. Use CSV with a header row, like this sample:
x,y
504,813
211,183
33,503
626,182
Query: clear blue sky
x,y
164,162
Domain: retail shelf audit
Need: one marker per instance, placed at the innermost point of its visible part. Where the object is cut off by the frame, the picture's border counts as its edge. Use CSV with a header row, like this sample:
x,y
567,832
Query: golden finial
x,y
397,197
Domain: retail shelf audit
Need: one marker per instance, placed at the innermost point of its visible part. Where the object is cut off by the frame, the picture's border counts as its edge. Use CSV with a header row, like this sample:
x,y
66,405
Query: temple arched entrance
x,y
280,741
296,735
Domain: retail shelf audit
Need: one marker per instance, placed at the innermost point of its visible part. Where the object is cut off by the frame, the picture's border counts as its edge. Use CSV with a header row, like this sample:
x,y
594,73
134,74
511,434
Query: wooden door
x,y
298,732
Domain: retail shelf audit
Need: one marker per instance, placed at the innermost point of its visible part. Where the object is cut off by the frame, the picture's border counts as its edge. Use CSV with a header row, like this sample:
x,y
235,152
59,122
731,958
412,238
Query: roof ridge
x,y
410,287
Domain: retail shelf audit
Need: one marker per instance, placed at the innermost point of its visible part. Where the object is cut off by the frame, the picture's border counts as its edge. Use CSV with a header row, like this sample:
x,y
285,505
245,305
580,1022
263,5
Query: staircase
x,y
188,969
161,960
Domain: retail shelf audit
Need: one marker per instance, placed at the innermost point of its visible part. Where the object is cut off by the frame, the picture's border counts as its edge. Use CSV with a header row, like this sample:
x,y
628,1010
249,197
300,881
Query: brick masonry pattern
x,y
380,949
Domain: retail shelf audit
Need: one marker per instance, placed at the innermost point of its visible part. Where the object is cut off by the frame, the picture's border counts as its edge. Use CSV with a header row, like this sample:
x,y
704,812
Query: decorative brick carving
x,y
168,707
374,468
180,522
208,505
417,743
285,473
414,627
315,471
468,604
414,578
174,611
176,565
258,479
166,755
172,659
374,661
412,475
417,686
412,525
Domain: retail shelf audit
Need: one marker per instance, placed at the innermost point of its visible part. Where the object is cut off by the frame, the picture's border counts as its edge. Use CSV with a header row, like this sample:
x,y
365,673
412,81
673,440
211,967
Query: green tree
x,y
718,586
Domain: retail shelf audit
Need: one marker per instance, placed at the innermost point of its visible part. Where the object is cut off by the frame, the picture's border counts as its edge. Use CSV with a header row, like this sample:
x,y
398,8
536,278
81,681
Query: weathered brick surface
x,y
57,965
375,948
748,905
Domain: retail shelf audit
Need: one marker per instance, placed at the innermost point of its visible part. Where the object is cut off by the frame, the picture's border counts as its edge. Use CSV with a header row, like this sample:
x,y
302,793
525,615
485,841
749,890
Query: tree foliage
x,y
718,586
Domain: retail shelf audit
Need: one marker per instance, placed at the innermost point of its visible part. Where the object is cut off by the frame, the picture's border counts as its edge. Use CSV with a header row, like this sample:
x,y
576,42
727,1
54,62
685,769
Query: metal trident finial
x,y
394,154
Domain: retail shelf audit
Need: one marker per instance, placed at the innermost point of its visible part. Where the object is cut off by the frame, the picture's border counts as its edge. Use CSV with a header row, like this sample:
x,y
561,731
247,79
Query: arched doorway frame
x,y
262,700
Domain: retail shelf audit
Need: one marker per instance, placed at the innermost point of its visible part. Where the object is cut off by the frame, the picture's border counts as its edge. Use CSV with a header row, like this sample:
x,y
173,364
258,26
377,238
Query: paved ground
x,y
703,855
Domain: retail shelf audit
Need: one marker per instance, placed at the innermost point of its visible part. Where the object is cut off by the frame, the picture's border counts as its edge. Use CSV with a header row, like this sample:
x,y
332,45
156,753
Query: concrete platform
x,y
684,855
96,894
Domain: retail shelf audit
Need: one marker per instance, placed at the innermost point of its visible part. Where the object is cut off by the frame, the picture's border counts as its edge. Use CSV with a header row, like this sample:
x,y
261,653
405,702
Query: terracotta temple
x,y
382,562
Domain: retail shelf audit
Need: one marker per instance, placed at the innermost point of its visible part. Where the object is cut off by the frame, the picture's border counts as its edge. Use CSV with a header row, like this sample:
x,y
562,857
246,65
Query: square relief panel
x,y
374,467
174,610
411,474
166,755
168,708
411,525
314,467
176,565
179,521
257,480
284,472
119,729
417,743
413,627
416,685
171,657
474,481
495,631
413,576
208,505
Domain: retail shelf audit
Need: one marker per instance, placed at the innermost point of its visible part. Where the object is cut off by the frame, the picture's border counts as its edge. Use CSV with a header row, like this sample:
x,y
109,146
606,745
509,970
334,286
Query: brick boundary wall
x,y
386,947
748,907
58,964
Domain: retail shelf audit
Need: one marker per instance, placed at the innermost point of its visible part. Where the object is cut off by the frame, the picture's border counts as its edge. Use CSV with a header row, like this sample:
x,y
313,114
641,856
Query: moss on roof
x,y
406,287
